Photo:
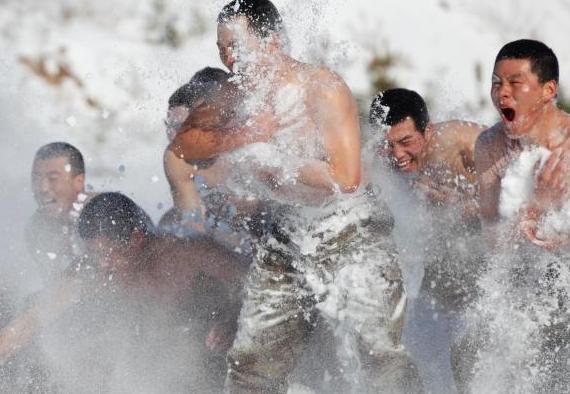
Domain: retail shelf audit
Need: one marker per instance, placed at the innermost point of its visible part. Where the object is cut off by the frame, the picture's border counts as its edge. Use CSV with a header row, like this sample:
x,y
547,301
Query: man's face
x,y
108,255
403,145
240,49
518,95
54,186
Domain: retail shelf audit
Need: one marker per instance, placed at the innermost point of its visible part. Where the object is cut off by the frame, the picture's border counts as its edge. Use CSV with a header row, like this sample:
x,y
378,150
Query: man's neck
x,y
423,156
268,71
140,262
548,128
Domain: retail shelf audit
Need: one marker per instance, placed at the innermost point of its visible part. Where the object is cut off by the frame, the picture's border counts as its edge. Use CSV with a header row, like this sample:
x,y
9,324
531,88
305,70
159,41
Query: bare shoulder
x,y
491,139
327,81
490,147
457,132
460,126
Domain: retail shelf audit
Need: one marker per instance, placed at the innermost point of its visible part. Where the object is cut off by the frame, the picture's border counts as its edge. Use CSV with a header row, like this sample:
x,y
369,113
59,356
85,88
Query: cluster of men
x,y
273,228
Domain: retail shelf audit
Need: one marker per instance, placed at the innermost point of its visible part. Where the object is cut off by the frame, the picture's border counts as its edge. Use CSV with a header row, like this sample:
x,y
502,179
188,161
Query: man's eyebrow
x,y
46,173
514,76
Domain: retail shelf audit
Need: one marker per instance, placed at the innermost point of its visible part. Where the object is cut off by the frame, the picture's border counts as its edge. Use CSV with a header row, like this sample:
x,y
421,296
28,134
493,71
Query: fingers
x,y
549,245
545,175
561,173
528,230
552,180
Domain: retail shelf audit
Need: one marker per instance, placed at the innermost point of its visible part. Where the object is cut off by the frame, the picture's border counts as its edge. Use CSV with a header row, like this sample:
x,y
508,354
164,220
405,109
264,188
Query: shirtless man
x,y
524,90
208,99
197,93
191,278
300,146
438,159
58,184
440,155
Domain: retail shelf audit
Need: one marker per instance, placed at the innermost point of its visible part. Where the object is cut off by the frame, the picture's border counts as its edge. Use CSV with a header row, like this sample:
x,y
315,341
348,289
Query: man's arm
x,y
550,193
337,120
553,179
453,143
180,174
197,142
22,329
487,176
467,134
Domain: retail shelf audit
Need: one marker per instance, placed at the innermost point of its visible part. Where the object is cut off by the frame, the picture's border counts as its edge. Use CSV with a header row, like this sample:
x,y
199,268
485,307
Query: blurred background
x,y
98,75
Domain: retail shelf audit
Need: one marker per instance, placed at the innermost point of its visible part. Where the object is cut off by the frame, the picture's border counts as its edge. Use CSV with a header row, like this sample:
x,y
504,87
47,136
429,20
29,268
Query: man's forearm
x,y
23,328
316,173
321,175
18,334
199,144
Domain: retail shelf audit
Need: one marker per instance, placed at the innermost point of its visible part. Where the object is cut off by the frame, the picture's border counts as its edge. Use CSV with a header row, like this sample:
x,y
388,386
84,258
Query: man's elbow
x,y
349,184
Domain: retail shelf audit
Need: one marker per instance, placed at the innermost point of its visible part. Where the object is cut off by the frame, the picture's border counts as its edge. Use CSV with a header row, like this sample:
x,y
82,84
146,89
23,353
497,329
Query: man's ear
x,y
79,183
428,132
549,90
137,239
273,43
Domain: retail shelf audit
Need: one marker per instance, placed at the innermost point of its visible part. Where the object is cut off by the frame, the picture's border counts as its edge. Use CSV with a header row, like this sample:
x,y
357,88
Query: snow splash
x,y
518,329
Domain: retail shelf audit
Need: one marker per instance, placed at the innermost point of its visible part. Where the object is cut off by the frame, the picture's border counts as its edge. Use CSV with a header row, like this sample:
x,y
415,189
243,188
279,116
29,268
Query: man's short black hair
x,y
543,61
262,16
393,106
204,83
113,216
63,149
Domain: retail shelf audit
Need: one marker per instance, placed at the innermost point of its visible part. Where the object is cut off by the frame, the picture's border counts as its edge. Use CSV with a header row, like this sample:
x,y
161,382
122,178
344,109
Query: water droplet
x,y
71,121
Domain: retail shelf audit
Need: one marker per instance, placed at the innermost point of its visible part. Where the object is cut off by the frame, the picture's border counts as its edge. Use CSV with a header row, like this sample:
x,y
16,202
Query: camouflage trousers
x,y
353,280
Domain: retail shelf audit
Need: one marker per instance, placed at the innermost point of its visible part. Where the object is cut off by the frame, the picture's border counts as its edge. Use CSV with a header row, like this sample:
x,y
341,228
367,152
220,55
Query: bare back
x,y
450,152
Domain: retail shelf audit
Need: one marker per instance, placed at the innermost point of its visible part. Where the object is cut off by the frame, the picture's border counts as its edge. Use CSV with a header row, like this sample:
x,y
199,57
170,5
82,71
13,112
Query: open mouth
x,y
508,113
402,165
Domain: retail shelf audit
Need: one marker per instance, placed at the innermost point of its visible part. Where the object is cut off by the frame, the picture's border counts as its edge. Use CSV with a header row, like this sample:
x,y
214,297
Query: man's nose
x,y
504,90
398,152
43,185
227,56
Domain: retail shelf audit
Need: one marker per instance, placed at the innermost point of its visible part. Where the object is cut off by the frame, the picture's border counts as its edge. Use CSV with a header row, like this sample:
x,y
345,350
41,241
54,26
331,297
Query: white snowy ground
x,y
114,50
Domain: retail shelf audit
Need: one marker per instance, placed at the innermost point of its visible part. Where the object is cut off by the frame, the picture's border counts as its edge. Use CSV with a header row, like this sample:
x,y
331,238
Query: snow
x,y
121,73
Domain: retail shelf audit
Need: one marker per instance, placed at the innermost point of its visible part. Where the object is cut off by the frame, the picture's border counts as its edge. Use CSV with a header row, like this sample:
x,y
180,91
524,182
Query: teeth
x,y
403,163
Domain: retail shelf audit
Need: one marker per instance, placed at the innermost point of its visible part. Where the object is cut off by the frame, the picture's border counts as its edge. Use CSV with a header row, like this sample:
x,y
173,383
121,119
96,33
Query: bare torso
x,y
495,151
450,152
447,166
294,98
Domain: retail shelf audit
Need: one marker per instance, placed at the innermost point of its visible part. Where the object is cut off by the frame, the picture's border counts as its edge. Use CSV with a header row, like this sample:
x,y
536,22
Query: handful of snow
x,y
517,186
